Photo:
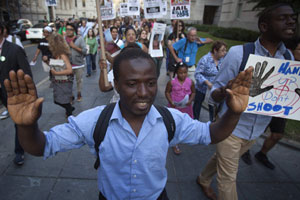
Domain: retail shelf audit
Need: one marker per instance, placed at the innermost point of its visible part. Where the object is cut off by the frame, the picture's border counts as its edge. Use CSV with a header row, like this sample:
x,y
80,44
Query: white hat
x,y
48,28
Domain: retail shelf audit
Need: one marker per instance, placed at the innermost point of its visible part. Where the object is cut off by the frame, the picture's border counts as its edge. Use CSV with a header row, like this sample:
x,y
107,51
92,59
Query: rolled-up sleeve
x,y
188,130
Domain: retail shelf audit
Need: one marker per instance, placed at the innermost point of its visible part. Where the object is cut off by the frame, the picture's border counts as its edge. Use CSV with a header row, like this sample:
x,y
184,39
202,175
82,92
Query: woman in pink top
x,y
180,93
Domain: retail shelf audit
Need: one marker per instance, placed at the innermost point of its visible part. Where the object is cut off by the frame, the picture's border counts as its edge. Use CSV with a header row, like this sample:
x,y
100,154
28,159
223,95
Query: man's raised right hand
x,y
23,105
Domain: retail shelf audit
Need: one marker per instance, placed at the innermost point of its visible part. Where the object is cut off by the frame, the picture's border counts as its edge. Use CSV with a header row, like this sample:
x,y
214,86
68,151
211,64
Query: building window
x,y
83,3
76,3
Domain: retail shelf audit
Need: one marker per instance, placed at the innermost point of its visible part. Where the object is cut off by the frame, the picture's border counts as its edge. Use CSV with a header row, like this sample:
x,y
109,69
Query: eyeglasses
x,y
70,29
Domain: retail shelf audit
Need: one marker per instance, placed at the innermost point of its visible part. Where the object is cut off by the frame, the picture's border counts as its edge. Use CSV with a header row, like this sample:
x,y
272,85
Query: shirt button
x,y
134,176
134,190
135,161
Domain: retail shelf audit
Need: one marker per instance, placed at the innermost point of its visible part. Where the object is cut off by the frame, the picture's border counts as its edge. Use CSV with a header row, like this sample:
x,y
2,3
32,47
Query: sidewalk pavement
x,y
71,176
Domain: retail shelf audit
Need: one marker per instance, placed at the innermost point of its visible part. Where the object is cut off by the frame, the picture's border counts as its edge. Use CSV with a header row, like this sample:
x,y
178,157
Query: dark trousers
x,y
18,147
162,196
199,98
67,106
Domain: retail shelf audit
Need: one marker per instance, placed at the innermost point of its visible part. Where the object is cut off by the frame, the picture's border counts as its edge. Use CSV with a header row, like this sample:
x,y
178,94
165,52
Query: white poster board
x,y
152,9
133,7
108,3
107,12
275,90
180,9
157,35
123,9
164,7
51,3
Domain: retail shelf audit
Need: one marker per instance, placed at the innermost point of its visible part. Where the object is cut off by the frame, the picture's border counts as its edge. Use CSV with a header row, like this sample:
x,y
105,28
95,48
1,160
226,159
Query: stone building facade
x,y
225,13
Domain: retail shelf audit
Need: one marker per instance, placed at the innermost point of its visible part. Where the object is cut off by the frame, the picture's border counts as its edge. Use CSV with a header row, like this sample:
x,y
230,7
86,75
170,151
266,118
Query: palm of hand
x,y
21,109
237,100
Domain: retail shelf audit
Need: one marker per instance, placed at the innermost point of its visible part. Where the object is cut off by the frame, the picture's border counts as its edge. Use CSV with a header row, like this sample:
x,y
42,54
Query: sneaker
x,y
246,157
79,97
263,159
19,159
4,115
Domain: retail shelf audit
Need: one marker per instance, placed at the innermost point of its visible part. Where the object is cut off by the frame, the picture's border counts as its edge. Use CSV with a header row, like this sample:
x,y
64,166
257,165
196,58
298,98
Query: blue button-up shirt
x,y
206,70
250,126
190,52
131,167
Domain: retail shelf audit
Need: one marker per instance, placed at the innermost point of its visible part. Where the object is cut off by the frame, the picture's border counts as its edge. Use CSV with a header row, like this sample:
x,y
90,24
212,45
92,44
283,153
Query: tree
x,y
261,4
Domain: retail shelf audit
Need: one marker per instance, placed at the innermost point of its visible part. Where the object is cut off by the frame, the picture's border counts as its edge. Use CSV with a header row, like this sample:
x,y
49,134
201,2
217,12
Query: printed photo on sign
x,y
275,88
133,7
152,9
157,36
107,13
123,9
180,9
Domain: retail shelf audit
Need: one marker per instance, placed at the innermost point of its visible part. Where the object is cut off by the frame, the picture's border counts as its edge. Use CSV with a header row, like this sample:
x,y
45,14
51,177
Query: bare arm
x,y
102,86
25,108
174,54
36,55
192,96
237,101
168,93
66,71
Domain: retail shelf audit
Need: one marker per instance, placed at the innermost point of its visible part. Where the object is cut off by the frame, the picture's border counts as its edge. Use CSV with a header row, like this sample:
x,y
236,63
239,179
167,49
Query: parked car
x,y
35,33
24,21
19,30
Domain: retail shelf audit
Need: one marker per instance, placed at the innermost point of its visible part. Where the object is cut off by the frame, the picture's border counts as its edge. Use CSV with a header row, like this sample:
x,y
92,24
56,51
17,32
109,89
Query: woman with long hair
x,y
92,46
61,69
177,34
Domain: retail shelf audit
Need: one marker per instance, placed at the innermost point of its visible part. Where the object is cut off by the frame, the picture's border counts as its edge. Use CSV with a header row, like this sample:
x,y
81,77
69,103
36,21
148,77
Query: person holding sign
x,y
277,125
134,151
276,24
187,47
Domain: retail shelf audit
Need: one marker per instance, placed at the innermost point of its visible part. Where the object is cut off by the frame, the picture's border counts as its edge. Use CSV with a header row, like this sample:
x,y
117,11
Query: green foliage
x,y
261,4
229,33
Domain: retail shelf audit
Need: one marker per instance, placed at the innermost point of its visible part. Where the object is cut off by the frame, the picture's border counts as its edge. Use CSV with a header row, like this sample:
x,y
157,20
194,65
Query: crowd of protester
x,y
72,46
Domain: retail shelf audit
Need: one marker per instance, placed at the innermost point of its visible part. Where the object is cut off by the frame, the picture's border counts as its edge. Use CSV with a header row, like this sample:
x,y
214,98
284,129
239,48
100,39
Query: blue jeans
x,y
199,98
90,63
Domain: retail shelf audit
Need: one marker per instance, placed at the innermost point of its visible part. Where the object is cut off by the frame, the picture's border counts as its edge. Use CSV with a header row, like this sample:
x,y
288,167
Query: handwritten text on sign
x,y
275,89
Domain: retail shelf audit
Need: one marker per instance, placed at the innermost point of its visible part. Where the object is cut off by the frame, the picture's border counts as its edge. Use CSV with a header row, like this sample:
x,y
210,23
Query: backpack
x,y
103,120
249,48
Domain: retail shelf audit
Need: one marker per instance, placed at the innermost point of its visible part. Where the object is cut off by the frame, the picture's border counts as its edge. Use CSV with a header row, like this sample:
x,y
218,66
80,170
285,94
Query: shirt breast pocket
x,y
155,159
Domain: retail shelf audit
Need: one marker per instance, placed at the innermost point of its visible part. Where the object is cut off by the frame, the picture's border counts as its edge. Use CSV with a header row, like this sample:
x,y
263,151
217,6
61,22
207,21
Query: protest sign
x,y
50,3
152,9
180,9
123,9
108,3
275,89
107,13
157,35
134,7
164,5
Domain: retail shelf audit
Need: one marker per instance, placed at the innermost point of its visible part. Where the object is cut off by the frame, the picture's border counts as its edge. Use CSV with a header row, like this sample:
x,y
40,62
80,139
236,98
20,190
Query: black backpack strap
x,y
248,48
168,120
185,45
101,128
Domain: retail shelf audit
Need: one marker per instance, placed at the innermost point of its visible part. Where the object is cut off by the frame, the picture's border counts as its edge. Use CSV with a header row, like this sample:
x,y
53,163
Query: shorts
x,y
277,125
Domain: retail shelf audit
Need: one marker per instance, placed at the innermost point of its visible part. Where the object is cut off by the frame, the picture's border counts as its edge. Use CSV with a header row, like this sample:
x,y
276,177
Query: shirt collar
x,y
261,50
151,117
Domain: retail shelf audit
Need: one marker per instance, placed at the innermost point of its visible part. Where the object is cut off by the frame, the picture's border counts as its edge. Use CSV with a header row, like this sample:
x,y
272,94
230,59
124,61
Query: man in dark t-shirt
x,y
44,46
123,28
